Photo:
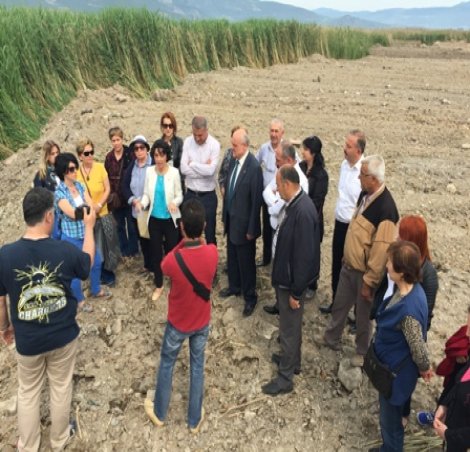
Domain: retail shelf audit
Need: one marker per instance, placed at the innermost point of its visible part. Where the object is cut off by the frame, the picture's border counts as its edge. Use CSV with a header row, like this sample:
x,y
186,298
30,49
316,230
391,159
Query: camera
x,y
79,211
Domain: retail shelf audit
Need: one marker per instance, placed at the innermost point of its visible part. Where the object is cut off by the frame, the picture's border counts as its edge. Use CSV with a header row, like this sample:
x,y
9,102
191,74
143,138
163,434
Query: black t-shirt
x,y
36,274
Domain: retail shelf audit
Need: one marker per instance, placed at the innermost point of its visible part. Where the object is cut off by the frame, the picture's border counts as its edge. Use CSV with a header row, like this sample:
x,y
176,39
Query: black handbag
x,y
380,375
200,289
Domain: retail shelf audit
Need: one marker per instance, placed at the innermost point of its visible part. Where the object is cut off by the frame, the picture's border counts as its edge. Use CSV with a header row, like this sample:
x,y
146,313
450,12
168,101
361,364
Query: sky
x,y
359,5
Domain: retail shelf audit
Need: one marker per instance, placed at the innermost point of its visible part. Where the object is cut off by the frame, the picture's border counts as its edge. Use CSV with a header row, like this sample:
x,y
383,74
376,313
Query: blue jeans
x,y
127,231
172,341
391,426
95,272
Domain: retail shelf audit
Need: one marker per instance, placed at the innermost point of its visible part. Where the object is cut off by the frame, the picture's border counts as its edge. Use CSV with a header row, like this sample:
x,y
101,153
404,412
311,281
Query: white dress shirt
x,y
274,201
200,175
349,189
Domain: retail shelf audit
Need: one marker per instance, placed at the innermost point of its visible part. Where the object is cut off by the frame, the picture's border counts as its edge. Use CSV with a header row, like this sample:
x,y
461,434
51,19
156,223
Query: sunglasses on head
x,y
139,147
168,126
71,169
88,153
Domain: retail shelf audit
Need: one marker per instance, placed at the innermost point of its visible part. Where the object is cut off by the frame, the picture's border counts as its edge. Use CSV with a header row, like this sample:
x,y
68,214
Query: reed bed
x,y
47,55
430,36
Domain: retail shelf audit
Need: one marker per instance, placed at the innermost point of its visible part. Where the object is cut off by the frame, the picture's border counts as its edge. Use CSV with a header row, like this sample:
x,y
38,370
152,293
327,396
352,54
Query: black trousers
x,y
209,201
145,247
267,235
339,237
242,270
163,235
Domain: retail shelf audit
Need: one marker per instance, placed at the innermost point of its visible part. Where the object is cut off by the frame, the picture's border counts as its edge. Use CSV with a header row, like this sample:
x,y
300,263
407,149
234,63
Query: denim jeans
x,y
391,426
172,341
127,231
95,272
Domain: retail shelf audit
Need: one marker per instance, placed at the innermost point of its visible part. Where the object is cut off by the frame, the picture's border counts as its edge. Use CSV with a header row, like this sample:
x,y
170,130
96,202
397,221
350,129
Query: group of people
x,y
162,199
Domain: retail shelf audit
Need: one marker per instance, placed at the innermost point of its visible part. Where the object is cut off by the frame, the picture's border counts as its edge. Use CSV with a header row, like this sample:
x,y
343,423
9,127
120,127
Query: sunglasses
x,y
168,126
140,148
71,169
88,153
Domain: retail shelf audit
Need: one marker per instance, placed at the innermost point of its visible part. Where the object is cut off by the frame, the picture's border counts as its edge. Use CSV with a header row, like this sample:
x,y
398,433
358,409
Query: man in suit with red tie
x,y
241,217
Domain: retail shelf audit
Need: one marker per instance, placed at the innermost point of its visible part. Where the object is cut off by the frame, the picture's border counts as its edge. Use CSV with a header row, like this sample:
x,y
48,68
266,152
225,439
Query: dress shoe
x,y
319,339
326,309
276,359
248,310
225,293
271,309
262,264
273,388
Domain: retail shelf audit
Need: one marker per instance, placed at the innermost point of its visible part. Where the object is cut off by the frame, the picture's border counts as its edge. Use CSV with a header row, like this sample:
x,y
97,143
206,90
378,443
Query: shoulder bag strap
x,y
401,363
199,288
84,180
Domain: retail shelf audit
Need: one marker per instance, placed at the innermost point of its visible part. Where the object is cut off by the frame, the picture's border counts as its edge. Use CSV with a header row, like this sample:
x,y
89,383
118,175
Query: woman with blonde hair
x,y
46,176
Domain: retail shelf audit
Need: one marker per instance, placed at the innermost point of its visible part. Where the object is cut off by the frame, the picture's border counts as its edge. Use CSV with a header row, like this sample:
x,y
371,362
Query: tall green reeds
x,y
47,55
431,36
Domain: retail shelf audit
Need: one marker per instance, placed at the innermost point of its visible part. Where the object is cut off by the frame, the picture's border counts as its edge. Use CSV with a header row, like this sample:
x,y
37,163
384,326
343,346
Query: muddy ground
x,y
413,103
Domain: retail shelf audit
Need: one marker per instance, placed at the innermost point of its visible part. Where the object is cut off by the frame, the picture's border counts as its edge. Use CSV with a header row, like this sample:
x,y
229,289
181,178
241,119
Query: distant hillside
x,y
446,17
353,22
457,16
202,9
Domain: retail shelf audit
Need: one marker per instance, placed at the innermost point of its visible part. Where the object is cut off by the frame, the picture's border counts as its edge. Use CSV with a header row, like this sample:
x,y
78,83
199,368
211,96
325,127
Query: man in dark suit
x,y
241,217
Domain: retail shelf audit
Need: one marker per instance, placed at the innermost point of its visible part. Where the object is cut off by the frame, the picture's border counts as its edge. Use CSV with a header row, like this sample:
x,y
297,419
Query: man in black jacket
x,y
296,265
241,217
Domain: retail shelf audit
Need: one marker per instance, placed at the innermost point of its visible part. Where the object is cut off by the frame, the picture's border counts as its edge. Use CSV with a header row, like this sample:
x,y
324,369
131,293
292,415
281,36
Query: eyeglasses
x,y
361,174
88,153
167,126
71,169
140,148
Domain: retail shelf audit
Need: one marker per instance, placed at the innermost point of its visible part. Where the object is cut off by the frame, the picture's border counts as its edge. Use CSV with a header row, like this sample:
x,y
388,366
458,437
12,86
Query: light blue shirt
x,y
266,157
138,182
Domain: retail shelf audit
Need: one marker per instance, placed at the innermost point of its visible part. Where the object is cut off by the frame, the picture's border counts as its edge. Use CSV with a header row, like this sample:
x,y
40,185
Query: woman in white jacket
x,y
163,196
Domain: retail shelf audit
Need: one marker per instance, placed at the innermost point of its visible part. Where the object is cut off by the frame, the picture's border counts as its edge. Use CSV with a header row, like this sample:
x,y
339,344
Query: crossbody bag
x,y
199,288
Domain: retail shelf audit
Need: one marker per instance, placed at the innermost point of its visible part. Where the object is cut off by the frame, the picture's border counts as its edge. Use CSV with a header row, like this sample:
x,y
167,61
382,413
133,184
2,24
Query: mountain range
x,y
457,16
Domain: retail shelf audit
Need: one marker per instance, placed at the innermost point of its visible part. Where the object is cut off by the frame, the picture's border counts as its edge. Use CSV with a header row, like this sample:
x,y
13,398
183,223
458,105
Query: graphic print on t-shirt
x,y
41,294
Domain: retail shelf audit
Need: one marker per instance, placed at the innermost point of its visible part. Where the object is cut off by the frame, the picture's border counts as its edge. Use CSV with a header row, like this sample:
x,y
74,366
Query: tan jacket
x,y
369,235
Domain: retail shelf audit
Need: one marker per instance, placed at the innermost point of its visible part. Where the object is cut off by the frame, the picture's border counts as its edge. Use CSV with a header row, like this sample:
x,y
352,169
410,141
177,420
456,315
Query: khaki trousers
x,y
58,365
348,294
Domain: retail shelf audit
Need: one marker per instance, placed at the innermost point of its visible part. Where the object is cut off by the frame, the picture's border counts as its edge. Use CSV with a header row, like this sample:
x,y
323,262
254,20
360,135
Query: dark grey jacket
x,y
297,257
